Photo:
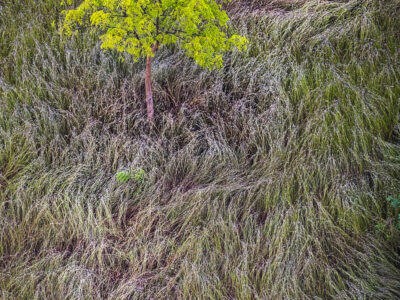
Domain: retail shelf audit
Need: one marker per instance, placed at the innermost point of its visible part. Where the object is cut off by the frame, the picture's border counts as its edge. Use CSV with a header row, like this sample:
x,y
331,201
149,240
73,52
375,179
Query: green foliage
x,y
387,226
383,230
395,203
123,176
135,26
138,175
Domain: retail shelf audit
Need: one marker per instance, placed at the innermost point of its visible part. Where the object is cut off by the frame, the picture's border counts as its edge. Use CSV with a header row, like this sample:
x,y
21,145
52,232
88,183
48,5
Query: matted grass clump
x,y
266,180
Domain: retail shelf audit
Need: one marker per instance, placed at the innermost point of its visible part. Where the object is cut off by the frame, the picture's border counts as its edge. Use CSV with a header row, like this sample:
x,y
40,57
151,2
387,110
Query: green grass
x,y
263,181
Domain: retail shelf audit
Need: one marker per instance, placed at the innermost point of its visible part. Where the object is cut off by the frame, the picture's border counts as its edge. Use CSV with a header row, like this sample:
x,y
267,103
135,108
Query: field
x,y
265,180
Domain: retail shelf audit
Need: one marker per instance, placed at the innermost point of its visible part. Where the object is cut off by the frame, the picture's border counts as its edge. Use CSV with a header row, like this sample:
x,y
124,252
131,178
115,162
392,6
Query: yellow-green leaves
x,y
134,26
100,18
238,41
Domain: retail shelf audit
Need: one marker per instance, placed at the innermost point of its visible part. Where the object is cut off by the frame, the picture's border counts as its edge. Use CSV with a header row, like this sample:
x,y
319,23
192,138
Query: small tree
x,y
141,27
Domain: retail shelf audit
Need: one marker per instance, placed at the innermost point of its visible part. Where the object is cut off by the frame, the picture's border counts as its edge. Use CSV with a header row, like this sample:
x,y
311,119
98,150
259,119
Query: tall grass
x,y
264,180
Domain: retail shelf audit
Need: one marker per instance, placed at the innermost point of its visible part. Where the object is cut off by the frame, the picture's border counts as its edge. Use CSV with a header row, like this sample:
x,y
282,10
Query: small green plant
x,y
385,227
395,202
382,228
138,175
123,176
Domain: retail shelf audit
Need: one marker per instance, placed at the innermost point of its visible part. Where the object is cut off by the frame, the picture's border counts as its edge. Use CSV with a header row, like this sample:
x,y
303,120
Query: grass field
x,y
266,180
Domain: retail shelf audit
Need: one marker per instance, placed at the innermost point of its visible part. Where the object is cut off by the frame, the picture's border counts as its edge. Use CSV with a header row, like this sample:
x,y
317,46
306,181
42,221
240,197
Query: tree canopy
x,y
137,26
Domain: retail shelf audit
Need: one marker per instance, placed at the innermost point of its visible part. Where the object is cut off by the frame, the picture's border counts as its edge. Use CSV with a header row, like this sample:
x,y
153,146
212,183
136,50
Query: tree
x,y
141,27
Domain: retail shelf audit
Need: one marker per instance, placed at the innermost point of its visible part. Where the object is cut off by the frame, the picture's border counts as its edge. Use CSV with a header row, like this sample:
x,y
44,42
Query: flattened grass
x,y
263,181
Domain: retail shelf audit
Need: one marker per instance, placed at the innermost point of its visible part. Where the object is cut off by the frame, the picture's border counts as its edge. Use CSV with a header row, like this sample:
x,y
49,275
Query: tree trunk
x,y
149,92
